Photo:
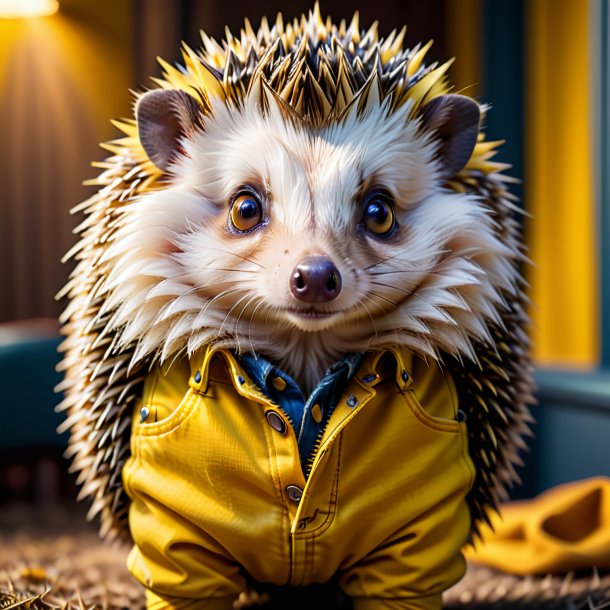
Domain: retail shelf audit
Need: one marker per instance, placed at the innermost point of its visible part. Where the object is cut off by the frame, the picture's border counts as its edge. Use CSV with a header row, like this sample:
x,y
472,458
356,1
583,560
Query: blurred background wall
x,y
61,79
541,65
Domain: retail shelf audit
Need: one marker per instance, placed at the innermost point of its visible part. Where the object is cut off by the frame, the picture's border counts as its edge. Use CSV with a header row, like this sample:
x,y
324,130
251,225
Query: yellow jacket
x,y
218,490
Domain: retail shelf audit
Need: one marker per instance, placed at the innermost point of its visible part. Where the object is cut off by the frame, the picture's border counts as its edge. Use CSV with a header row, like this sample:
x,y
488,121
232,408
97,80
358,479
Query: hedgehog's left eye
x,y
246,211
379,217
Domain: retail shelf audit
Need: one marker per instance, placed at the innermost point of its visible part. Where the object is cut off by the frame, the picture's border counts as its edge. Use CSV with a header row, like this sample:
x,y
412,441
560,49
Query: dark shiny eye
x,y
246,211
379,215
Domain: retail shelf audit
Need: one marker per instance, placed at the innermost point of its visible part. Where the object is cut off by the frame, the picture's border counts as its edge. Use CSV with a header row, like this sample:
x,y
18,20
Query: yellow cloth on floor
x,y
566,528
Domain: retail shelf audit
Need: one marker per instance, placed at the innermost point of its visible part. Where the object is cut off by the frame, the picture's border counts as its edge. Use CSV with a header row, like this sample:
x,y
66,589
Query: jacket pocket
x,y
439,424
161,420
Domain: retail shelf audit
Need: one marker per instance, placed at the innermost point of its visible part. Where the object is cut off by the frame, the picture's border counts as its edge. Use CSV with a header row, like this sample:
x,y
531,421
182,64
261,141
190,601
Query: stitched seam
x,y
307,561
425,418
183,411
332,507
371,393
277,484
275,473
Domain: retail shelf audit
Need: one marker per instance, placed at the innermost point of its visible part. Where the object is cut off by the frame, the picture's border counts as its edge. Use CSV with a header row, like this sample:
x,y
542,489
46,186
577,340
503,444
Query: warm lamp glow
x,y
13,9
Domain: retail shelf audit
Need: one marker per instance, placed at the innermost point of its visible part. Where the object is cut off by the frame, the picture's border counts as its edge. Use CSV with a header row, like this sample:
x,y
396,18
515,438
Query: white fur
x,y
180,279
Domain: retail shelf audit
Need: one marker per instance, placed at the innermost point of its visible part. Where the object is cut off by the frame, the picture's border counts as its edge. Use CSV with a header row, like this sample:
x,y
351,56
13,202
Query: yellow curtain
x,y
62,78
559,182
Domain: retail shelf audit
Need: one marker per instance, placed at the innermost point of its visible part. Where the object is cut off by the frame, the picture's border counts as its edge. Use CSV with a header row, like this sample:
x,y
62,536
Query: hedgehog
x,y
296,334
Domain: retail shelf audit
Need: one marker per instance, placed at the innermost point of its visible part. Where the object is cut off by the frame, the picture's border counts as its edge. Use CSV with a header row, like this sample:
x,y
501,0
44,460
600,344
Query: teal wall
x,y
503,46
27,379
573,427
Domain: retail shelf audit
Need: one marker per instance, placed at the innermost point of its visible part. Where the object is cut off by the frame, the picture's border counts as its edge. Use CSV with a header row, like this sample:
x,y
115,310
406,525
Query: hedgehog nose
x,y
315,280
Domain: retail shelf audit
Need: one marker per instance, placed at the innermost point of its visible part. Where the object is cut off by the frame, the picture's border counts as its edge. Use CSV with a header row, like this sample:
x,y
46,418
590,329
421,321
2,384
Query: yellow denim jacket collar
x,y
366,378
368,370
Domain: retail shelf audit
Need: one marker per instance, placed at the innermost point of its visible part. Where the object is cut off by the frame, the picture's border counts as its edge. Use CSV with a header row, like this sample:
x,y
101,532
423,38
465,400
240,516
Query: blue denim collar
x,y
288,395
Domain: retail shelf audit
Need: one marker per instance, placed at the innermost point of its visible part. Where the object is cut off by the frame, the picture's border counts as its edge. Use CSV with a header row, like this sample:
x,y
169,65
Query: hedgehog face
x,y
275,236
305,212
302,207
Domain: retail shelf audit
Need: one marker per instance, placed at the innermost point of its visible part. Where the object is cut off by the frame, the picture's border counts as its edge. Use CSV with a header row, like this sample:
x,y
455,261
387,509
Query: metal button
x,y
198,377
352,401
369,378
276,421
294,493
144,413
279,384
316,413
405,376
461,416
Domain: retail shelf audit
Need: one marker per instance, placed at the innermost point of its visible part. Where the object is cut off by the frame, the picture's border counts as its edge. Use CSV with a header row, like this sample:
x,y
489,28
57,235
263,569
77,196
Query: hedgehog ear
x,y
455,119
164,116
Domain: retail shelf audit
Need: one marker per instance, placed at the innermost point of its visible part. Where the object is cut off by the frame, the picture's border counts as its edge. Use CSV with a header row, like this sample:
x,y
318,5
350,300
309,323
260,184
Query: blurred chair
x,y
31,466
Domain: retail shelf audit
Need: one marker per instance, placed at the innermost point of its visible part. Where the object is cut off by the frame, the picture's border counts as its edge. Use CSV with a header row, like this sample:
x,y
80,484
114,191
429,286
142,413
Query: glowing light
x,y
15,9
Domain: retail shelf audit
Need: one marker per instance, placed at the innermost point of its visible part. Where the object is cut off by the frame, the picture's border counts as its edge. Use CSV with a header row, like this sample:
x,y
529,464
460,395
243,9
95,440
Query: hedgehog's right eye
x,y
246,211
379,217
